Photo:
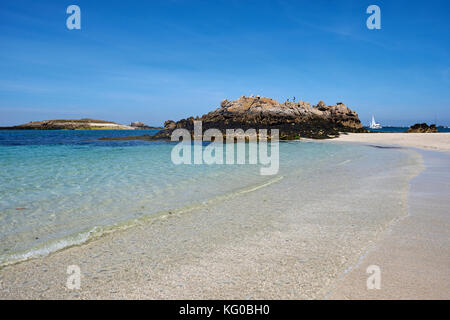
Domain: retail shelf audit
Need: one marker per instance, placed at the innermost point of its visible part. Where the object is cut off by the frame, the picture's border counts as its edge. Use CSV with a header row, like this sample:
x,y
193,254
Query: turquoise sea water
x,y
60,188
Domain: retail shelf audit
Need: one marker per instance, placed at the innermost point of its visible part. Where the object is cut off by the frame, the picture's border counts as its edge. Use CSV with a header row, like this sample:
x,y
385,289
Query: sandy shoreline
x,y
274,251
433,141
413,255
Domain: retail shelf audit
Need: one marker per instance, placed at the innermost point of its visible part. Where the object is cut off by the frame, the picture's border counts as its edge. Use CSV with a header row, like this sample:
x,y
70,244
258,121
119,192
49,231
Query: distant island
x,y
142,126
77,124
422,128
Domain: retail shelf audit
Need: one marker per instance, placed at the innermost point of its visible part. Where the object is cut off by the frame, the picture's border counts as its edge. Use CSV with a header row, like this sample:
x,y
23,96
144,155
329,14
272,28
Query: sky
x,y
154,60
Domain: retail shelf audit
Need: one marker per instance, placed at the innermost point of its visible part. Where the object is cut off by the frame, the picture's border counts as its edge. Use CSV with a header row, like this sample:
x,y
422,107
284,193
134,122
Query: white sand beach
x,y
434,141
413,255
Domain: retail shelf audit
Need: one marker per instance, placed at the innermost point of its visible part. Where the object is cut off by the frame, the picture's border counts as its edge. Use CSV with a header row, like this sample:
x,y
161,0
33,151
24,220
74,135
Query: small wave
x,y
344,162
46,248
99,231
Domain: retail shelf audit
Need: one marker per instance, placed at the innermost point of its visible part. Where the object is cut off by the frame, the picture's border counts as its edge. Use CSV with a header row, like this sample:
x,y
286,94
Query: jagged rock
x,y
169,125
321,106
293,119
422,128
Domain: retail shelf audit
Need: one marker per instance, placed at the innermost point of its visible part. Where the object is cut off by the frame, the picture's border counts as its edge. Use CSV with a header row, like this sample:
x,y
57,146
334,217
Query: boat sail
x,y
374,125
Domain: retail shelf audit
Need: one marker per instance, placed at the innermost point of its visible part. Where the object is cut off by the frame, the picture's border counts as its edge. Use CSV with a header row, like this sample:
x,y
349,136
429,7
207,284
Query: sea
x,y
402,129
63,188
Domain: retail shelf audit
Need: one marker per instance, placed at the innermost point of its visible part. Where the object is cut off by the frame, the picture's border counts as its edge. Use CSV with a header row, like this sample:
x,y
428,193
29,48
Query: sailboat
x,y
374,125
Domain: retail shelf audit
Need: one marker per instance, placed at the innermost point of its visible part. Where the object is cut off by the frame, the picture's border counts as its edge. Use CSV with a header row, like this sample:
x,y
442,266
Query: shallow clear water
x,y
59,188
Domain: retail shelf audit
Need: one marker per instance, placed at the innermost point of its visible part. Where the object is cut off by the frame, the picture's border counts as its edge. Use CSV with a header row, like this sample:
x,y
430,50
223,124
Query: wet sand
x,y
290,240
414,255
434,141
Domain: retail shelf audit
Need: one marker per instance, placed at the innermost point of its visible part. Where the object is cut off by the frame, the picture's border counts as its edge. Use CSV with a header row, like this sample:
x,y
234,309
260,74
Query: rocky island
x,y
292,119
142,126
70,124
422,128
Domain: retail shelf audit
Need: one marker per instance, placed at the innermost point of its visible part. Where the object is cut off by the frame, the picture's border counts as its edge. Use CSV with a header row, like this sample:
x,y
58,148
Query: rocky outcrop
x,y
292,119
138,124
142,126
69,124
170,125
422,128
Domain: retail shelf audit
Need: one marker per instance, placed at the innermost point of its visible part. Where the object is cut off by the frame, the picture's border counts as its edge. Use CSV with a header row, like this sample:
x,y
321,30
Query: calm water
x,y
401,129
59,188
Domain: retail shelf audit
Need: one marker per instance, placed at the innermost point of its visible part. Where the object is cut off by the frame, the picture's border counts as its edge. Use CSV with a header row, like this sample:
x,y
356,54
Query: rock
x,y
321,106
169,125
422,128
138,124
292,119
141,125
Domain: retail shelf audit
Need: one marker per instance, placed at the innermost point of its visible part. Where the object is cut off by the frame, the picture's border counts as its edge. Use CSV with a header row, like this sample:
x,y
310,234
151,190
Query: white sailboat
x,y
374,125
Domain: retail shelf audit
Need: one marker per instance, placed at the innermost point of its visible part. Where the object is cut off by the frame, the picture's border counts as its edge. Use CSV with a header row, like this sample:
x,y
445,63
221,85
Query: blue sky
x,y
158,60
